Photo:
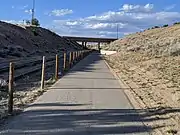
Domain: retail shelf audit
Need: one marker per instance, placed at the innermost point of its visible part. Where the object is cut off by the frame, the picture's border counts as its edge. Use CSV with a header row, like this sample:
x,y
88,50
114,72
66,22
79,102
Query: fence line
x,y
10,88
43,72
57,68
74,57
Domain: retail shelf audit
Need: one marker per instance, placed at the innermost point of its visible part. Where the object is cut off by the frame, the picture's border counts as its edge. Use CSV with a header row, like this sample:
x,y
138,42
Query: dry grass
x,y
149,62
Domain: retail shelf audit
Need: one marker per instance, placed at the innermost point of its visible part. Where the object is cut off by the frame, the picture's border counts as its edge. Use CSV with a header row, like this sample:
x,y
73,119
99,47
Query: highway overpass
x,y
85,40
91,39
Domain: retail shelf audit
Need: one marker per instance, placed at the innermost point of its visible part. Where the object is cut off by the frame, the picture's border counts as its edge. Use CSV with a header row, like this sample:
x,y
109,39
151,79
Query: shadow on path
x,y
82,121
87,65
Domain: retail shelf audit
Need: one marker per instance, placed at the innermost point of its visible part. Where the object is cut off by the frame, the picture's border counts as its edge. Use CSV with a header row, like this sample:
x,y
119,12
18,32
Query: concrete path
x,y
87,101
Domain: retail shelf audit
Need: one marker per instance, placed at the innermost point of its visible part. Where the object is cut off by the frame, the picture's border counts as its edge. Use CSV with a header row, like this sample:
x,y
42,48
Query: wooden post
x,y
10,89
42,75
64,61
57,68
70,58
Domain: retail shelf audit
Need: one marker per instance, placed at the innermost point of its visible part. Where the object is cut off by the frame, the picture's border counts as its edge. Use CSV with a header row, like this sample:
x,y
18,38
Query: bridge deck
x,y
90,39
88,100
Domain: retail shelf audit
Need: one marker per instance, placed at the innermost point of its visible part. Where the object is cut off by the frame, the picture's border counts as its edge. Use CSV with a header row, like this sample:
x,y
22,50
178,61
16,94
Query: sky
x,y
93,18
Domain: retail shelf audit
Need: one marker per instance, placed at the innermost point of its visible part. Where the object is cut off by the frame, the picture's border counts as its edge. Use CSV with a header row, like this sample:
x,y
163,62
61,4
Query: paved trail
x,y
87,101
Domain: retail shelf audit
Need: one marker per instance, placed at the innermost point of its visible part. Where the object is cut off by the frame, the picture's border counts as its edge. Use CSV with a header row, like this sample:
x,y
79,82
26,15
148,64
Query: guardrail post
x,y
64,61
42,75
57,68
10,88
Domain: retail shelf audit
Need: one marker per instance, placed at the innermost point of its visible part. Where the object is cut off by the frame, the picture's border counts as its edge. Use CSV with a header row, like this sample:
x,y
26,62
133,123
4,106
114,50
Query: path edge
x,y
126,91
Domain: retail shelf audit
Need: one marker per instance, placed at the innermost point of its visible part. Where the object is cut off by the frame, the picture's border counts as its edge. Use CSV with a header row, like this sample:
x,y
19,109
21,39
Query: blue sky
x,y
94,18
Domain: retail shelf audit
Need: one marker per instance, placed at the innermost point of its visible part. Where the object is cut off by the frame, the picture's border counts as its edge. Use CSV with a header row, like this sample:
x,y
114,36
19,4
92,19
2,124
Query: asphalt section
x,y
86,101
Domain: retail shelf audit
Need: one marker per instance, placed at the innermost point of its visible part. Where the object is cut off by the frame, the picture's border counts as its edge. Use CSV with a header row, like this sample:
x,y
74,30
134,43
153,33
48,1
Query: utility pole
x,y
117,31
33,10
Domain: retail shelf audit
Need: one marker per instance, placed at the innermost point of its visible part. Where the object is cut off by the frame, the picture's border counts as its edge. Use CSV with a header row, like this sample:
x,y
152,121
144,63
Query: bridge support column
x,y
85,45
99,47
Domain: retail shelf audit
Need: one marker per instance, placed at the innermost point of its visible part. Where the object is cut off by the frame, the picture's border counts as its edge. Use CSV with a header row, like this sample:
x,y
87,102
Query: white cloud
x,y
170,7
130,18
137,18
98,25
29,11
73,23
13,21
24,7
60,12
20,7
137,8
104,25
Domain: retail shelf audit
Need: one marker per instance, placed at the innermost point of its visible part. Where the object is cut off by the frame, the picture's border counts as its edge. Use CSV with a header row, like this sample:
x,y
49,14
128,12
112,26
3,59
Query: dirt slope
x,y
149,62
23,41
155,42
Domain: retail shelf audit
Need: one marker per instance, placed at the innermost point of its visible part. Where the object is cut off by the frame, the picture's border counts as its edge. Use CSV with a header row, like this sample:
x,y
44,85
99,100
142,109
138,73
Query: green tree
x,y
35,22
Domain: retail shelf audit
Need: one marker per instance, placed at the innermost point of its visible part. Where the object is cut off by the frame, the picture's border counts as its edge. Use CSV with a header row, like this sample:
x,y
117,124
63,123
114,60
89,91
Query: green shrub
x,y
35,22
156,27
34,31
28,22
176,23
166,25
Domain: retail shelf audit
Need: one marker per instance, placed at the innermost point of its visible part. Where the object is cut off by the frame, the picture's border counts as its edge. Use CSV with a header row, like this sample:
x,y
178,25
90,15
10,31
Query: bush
x,y
34,31
35,22
176,23
156,27
28,22
166,25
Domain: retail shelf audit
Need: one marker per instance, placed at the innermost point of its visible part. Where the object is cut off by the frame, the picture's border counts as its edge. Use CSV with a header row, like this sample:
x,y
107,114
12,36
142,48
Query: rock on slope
x,y
149,62
16,41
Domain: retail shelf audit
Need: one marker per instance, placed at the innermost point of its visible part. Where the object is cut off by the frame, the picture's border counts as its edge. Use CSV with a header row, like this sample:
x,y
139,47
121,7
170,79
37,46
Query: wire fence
x,y
20,79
